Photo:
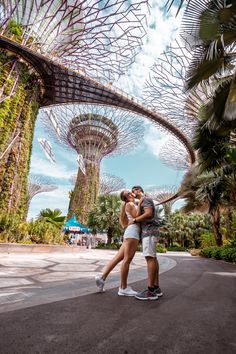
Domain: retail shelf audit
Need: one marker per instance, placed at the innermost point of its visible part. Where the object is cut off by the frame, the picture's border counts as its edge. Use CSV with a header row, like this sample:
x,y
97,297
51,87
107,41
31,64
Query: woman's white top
x,y
133,230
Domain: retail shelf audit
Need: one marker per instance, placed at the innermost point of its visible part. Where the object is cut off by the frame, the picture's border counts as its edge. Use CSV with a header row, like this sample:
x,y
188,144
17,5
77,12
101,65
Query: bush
x,y
160,248
229,254
176,248
44,232
207,239
226,253
206,252
112,246
216,252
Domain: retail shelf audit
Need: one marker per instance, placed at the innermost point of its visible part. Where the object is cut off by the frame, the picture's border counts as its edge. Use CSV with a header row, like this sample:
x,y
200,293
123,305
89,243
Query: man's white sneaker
x,y
127,292
100,283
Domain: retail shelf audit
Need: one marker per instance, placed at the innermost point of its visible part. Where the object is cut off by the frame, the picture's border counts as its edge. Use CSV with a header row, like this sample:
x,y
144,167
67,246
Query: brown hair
x,y
123,217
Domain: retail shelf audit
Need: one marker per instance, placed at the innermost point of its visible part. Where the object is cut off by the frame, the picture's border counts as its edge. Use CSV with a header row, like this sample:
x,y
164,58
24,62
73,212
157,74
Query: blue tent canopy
x,y
74,225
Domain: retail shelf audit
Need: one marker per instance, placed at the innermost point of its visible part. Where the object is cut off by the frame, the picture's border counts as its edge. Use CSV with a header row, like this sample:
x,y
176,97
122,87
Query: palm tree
x,y
105,217
52,216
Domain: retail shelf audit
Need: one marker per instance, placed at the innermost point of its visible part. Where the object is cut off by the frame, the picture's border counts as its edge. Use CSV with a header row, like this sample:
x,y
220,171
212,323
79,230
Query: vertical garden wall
x,y
86,193
19,101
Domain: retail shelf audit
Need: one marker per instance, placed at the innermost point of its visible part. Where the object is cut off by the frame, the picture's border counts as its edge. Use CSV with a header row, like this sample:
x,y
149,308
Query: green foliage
x,y
52,216
17,115
160,248
176,248
14,230
185,230
226,253
229,254
207,239
41,231
105,217
15,28
112,246
84,197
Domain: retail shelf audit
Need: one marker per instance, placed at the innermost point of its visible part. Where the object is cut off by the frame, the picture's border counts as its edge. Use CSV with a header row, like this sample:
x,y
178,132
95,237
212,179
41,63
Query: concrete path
x,y
196,315
31,279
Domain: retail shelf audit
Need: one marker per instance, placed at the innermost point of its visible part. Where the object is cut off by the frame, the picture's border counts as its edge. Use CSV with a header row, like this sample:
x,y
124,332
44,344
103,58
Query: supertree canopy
x,y
46,49
38,184
163,193
94,132
108,183
95,36
173,154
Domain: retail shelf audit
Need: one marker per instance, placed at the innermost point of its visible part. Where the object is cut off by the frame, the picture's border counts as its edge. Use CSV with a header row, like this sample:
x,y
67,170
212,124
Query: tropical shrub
x,y
207,239
226,253
41,231
160,248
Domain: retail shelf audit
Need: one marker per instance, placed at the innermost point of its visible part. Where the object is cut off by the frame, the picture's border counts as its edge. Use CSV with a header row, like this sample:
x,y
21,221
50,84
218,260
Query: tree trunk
x,y
109,236
215,218
85,193
228,222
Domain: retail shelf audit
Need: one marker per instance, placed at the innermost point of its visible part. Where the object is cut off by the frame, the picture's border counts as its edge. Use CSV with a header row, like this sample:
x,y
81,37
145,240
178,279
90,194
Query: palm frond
x,y
229,115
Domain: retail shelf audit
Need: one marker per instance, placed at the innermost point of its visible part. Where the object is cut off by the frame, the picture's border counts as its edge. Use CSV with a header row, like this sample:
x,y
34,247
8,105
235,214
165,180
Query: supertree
x,y
107,184
165,92
163,193
94,132
38,184
110,183
46,50
173,154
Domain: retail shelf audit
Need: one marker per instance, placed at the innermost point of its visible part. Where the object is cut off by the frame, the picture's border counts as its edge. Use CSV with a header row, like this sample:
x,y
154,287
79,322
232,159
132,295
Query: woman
x,y
129,246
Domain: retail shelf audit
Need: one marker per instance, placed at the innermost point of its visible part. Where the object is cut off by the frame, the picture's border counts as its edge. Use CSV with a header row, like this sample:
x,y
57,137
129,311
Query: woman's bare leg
x,y
113,262
130,247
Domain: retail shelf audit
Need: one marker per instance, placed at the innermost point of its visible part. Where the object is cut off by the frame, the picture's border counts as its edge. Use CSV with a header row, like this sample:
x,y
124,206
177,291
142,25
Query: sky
x,y
141,166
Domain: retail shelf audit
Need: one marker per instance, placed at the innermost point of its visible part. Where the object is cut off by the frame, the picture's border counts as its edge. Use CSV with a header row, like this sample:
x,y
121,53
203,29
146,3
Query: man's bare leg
x,y
152,271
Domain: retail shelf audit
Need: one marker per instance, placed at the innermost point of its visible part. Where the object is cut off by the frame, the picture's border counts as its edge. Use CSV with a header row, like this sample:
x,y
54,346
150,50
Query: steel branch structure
x,y
97,37
173,154
108,183
46,46
163,193
62,85
93,132
38,184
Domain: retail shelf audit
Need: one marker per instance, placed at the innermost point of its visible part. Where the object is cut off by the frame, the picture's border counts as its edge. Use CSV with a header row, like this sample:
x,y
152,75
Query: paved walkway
x,y
31,279
196,314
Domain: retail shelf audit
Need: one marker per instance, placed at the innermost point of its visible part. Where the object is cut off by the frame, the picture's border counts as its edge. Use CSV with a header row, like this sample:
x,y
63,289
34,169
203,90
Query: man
x,y
149,235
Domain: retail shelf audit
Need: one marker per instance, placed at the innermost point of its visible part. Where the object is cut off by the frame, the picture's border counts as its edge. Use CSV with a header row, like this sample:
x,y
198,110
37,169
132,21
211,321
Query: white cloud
x,y
155,139
162,30
45,168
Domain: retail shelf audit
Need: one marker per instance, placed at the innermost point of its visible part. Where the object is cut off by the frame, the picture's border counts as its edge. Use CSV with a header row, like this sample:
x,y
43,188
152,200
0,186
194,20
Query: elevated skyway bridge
x,y
63,85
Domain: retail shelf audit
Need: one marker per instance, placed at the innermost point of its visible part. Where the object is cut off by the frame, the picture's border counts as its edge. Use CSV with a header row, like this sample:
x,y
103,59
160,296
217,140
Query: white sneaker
x,y
127,292
100,283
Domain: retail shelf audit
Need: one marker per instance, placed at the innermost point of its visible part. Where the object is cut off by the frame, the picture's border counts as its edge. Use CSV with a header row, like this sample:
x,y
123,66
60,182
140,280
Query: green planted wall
x,y
85,194
19,102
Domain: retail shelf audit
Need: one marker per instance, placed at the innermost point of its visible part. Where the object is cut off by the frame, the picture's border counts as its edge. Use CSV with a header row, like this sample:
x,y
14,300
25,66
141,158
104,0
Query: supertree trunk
x,y
85,193
19,100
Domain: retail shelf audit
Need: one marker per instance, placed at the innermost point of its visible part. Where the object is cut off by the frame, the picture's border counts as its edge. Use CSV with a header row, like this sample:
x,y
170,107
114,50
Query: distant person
x,y
128,248
150,237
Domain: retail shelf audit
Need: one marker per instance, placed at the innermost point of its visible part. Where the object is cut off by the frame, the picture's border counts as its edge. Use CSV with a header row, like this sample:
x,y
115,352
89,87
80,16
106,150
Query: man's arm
x,y
147,215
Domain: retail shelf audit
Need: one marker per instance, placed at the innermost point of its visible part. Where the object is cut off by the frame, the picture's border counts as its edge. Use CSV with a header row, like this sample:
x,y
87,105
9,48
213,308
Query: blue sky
x,y
141,166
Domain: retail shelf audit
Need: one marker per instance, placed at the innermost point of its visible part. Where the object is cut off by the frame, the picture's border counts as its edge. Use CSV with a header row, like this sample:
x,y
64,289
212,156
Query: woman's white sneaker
x,y
100,283
127,292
